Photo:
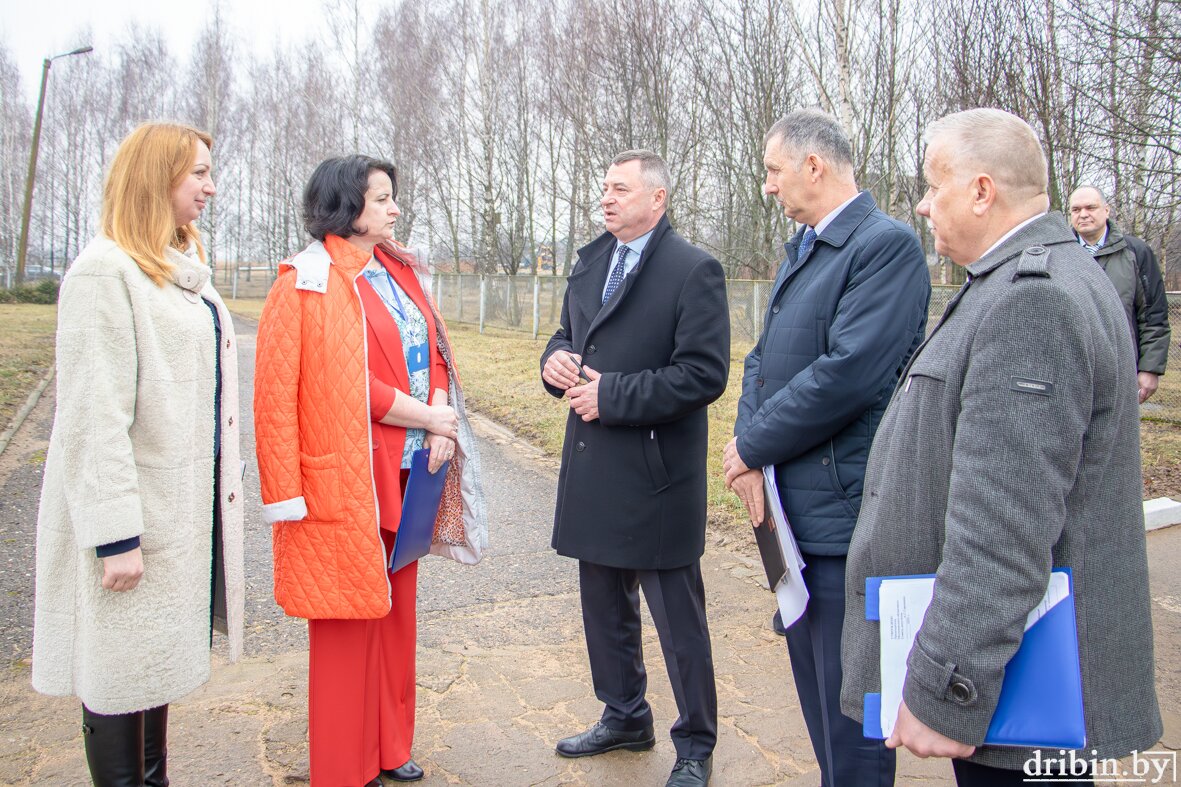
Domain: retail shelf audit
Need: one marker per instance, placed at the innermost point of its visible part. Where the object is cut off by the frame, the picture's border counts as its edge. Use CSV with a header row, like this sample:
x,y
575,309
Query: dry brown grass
x,y
500,375
247,307
1160,448
26,353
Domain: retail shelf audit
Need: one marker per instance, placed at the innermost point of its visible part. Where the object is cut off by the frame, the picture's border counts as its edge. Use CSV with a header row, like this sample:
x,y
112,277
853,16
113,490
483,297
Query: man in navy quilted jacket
x,y
847,310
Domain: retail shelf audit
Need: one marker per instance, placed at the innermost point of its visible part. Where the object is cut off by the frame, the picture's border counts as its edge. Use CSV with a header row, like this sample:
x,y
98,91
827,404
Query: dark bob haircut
x,y
335,194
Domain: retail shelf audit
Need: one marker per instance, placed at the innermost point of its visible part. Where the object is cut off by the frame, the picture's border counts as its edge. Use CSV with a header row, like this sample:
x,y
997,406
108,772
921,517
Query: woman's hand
x,y
442,448
123,571
442,421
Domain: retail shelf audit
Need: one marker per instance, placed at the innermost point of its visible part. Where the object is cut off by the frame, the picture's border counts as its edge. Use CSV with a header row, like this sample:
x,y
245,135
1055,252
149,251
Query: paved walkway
x,y
502,672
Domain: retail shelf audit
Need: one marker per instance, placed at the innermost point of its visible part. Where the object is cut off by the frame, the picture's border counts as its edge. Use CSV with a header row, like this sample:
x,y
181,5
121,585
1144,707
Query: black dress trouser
x,y
971,774
611,619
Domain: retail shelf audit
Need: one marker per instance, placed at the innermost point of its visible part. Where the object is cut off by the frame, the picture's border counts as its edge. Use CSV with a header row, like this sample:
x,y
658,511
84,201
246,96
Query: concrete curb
x,y
1161,512
23,413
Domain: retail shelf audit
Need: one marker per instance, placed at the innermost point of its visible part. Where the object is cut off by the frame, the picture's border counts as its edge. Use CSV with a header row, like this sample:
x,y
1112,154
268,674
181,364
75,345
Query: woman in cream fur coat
x,y
139,536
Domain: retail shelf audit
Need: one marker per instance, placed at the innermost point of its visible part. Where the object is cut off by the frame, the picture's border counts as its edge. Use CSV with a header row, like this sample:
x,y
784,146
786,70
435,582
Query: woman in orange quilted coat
x,y
353,375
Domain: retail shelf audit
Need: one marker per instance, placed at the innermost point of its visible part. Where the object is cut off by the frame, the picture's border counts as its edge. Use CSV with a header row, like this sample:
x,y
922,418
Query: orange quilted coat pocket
x,y
321,486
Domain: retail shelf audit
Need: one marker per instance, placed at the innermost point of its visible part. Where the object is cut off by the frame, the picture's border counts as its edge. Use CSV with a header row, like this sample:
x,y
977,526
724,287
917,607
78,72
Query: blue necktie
x,y
616,277
806,243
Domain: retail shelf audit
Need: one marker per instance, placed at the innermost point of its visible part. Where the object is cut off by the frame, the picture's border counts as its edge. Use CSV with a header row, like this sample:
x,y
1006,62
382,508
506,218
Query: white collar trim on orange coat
x,y
311,268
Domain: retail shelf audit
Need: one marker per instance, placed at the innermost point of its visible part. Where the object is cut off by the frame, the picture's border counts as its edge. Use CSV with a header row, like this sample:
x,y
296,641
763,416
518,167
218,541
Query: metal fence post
x,y
483,299
237,268
536,304
459,292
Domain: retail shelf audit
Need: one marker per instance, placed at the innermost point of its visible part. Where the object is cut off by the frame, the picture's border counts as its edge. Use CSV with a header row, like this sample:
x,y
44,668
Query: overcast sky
x,y
34,29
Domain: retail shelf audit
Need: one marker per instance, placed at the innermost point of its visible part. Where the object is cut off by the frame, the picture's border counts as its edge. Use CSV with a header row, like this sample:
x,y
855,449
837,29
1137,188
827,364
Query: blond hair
x,y
999,143
137,195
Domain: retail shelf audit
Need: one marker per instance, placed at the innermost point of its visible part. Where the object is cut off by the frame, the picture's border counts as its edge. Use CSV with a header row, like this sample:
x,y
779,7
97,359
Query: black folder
x,y
770,550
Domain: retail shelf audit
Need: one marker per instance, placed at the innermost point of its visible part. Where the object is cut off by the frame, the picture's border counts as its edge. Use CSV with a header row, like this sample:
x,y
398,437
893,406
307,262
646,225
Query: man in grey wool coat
x,y
1011,446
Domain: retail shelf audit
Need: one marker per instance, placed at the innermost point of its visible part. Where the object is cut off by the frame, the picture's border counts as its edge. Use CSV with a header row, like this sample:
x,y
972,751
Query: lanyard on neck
x,y
398,307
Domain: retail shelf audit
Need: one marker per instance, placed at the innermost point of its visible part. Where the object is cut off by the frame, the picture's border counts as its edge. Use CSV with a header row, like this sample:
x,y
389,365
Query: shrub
x,y
43,291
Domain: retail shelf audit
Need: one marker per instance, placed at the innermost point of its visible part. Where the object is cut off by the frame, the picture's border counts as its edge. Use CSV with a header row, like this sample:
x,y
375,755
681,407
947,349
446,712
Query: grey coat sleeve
x,y
1014,462
1152,310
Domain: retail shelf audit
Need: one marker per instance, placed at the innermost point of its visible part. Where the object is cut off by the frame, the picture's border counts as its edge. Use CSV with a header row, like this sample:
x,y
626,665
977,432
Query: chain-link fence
x,y
519,303
533,304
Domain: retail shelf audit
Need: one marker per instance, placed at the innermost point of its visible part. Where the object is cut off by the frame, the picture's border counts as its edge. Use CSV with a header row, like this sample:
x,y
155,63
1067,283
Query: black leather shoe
x,y
777,624
691,773
599,739
406,772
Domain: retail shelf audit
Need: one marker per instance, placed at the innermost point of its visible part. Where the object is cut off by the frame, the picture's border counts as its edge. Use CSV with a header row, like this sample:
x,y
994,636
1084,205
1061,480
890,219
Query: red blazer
x,y
388,374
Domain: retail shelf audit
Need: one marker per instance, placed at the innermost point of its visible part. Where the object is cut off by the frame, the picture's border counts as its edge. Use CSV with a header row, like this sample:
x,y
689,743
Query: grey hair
x,y
653,170
1000,143
1102,196
807,131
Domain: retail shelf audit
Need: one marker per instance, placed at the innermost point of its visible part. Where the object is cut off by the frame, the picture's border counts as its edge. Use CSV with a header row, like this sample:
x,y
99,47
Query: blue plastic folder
x,y
420,506
1041,700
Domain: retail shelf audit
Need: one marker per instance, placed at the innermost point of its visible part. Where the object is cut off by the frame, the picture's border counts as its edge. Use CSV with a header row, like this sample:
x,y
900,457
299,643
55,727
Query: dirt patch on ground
x,y
1160,447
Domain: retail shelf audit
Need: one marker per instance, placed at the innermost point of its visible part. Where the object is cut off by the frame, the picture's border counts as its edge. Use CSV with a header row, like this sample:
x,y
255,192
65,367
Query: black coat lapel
x,y
585,284
650,248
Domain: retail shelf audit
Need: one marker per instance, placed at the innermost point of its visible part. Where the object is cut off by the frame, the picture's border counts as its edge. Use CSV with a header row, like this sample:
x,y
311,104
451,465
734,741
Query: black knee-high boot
x,y
114,748
156,747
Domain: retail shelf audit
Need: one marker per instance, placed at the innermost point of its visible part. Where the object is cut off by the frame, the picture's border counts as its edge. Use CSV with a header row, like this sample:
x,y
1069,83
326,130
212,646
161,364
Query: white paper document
x,y
1058,590
790,592
902,604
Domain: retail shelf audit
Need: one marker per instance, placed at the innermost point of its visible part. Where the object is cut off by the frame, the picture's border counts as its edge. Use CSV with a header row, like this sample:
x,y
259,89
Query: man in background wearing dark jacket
x,y
848,307
1133,269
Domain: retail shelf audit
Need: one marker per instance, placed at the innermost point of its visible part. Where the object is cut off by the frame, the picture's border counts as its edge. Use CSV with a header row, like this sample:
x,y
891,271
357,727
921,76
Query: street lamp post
x,y
23,247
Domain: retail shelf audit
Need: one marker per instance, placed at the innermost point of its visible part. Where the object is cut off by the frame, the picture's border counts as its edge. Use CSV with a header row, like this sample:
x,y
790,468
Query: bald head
x,y
1088,213
986,174
997,143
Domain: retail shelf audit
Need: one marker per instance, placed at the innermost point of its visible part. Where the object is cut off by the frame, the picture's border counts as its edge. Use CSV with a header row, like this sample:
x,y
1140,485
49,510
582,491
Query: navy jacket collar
x,y
839,229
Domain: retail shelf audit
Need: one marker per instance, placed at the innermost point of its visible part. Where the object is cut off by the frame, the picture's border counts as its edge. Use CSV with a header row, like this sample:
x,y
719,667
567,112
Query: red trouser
x,y
361,690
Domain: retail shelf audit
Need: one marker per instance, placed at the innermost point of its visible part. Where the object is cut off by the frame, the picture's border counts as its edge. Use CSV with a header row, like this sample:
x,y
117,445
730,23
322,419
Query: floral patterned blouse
x,y
415,344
